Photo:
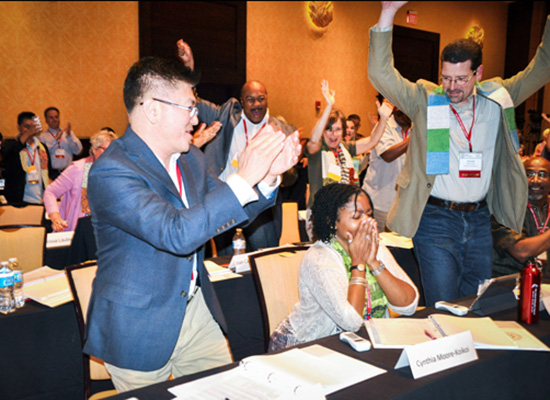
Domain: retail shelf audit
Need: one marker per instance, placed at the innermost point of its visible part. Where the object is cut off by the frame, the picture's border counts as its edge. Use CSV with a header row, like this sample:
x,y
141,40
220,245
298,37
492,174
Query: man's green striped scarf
x,y
438,124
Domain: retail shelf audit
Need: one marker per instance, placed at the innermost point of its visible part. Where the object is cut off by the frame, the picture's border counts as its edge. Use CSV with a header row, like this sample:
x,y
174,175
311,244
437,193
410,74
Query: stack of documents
x,y
218,273
47,286
309,373
397,333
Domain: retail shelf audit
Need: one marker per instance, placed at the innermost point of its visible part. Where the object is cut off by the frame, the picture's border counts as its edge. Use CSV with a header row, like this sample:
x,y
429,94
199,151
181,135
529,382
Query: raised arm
x,y
315,141
185,54
367,144
389,9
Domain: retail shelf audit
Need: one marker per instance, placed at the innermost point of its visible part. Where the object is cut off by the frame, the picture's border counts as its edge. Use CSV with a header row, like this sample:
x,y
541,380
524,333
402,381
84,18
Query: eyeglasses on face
x,y
193,111
540,174
461,80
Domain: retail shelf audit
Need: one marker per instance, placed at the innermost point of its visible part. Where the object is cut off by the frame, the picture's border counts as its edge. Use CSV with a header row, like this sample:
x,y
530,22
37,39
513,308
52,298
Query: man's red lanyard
x,y
466,133
369,303
54,134
405,133
537,223
180,180
246,129
33,154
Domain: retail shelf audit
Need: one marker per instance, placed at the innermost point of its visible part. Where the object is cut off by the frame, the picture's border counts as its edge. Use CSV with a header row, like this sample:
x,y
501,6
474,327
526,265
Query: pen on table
x,y
427,332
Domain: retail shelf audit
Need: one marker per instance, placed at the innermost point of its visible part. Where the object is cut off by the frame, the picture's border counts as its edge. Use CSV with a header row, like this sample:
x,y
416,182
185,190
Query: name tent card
x,y
59,239
438,355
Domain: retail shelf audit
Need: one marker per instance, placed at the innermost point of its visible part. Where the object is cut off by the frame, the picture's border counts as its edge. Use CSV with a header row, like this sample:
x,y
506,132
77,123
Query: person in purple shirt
x,y
72,185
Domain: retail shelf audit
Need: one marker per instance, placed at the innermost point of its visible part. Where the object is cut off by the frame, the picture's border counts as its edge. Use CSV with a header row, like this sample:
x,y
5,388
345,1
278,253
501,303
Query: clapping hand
x,y
256,160
287,158
204,135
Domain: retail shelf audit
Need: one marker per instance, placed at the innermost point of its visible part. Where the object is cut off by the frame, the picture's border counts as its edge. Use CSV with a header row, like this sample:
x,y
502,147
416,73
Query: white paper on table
x,y
218,273
309,373
47,286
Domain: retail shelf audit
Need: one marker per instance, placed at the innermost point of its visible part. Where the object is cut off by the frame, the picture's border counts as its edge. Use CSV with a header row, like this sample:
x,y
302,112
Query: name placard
x,y
239,263
438,355
59,239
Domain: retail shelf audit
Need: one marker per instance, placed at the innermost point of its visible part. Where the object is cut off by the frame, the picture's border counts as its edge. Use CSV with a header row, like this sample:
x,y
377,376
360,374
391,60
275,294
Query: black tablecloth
x,y
41,354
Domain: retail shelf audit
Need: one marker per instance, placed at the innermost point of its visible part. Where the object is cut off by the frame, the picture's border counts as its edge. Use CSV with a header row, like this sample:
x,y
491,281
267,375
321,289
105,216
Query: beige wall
x,y
72,55
75,55
283,52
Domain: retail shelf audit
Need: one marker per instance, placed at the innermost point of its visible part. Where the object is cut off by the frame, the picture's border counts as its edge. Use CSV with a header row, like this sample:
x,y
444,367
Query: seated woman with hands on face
x,y
346,276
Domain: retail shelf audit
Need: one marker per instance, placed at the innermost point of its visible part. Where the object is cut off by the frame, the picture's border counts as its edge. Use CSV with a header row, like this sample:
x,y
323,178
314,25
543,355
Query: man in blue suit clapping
x,y
153,312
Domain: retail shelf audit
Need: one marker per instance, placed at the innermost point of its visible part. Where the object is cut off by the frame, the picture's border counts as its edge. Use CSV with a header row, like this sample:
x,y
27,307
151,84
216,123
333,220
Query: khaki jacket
x,y
507,196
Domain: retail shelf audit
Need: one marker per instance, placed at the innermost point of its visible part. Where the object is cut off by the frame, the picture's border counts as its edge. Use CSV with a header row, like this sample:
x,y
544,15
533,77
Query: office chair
x,y
32,214
27,243
275,273
290,229
81,277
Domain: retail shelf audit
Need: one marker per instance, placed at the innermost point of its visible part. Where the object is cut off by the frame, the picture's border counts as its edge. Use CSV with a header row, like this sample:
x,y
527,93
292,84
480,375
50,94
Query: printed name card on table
x,y
59,239
438,355
239,263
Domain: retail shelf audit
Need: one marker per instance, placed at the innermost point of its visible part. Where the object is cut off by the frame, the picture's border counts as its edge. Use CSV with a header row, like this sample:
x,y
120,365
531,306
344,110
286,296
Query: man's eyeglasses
x,y
540,174
461,80
193,111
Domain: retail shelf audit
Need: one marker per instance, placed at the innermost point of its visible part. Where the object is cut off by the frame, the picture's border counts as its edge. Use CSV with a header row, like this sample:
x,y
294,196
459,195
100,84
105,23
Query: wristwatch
x,y
359,267
379,270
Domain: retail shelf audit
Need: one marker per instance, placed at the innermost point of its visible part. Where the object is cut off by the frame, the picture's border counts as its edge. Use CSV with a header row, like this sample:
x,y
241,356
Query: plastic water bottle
x,y
239,244
18,295
7,304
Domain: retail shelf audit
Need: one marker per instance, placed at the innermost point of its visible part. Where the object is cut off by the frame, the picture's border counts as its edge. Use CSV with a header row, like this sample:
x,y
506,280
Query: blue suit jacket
x,y
146,240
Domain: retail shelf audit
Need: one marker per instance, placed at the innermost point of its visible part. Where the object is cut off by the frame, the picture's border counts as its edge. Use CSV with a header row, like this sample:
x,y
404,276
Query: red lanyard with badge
x,y
59,152
537,223
32,172
469,164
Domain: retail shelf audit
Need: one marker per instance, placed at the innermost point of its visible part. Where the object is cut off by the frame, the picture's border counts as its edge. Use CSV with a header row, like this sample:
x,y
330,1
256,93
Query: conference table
x,y
42,358
497,374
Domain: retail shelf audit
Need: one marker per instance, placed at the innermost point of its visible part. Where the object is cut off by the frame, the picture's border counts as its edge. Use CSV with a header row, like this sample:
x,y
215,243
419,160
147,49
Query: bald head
x,y
536,161
254,101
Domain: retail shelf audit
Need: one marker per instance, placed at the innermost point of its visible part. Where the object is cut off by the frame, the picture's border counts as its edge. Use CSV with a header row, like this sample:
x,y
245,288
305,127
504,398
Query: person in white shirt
x,y
62,144
386,161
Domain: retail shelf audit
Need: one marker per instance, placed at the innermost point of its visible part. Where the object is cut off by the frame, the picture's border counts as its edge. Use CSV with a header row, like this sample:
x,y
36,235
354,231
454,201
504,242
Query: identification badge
x,y
469,165
334,172
32,175
59,153
235,163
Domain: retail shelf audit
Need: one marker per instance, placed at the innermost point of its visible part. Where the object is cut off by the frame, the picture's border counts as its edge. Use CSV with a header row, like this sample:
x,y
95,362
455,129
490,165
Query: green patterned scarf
x,y
438,124
377,295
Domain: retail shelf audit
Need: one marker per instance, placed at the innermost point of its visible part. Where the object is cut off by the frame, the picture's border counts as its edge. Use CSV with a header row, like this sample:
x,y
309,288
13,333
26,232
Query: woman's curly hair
x,y
326,205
